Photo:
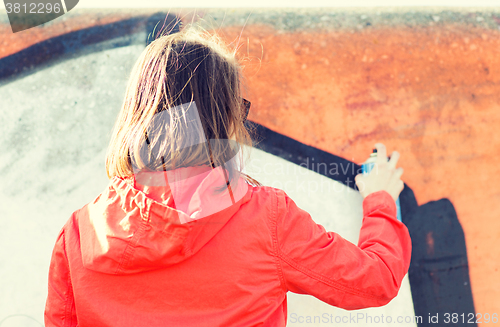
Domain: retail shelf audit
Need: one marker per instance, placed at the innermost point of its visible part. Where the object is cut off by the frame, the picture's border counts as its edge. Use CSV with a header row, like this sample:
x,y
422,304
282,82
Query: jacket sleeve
x,y
336,271
60,304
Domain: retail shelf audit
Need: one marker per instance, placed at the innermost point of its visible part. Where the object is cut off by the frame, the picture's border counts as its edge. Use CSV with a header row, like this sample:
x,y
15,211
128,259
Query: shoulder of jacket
x,y
274,198
72,224
269,192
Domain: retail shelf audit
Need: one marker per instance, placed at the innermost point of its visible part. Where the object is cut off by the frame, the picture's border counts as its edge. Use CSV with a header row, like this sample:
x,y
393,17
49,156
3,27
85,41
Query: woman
x,y
182,237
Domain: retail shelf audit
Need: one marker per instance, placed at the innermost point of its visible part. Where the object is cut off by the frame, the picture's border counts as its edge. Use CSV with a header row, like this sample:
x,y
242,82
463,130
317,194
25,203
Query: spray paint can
x,y
367,166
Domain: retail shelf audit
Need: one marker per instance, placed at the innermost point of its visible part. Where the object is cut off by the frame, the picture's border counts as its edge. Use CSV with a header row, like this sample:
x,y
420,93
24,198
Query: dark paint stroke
x,y
74,44
439,269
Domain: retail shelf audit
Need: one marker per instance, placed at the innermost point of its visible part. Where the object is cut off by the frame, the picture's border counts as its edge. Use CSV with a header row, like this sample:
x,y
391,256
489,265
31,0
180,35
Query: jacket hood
x,y
156,219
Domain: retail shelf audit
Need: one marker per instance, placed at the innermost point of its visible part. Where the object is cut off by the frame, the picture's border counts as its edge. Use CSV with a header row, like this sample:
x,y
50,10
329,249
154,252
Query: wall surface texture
x,y
325,85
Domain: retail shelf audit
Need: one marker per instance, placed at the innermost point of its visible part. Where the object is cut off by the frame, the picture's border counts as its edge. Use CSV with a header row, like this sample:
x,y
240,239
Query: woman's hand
x,y
383,177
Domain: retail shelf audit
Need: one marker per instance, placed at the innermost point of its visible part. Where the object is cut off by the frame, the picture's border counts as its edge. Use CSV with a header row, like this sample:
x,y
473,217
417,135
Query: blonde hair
x,y
190,66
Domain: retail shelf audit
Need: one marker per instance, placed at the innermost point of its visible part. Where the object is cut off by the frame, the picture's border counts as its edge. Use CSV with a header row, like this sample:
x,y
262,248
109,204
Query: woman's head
x,y
182,103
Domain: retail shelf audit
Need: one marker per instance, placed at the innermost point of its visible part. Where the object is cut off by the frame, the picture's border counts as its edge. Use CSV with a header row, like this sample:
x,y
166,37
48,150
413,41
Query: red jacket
x,y
148,255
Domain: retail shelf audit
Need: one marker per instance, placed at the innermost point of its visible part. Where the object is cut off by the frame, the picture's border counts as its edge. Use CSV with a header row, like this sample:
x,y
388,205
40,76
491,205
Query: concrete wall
x,y
423,82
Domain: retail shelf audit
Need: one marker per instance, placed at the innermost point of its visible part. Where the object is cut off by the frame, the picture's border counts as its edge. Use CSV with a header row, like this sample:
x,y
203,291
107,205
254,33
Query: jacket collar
x,y
155,219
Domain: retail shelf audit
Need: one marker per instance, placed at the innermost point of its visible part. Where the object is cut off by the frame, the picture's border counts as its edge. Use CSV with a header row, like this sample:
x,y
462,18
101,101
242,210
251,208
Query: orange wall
x,y
432,93
13,42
